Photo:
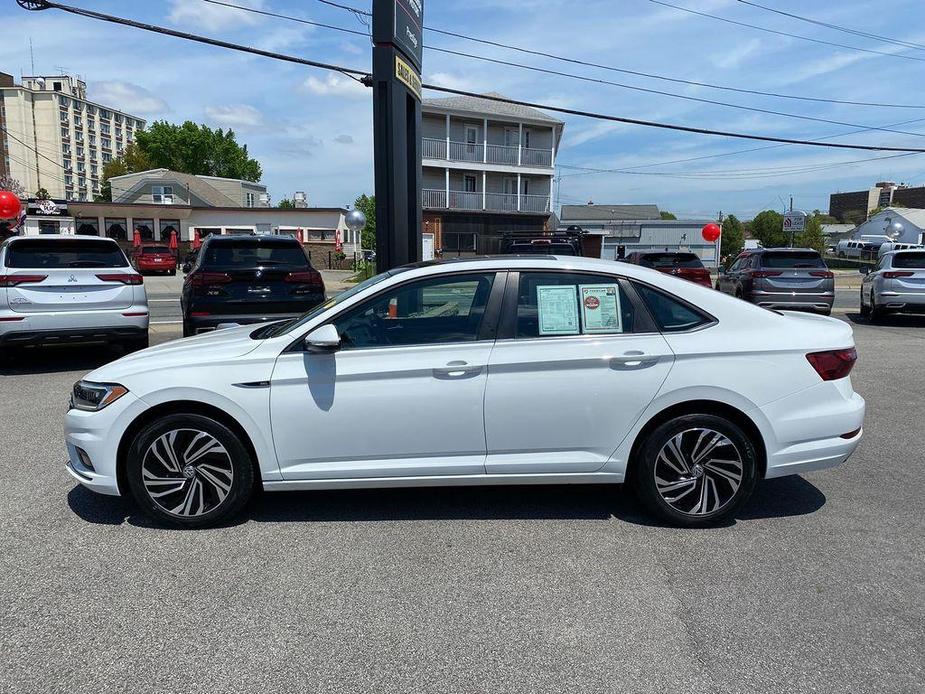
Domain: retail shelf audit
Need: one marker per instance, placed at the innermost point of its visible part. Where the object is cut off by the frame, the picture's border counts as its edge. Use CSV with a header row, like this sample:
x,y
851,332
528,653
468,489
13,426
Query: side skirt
x,y
445,481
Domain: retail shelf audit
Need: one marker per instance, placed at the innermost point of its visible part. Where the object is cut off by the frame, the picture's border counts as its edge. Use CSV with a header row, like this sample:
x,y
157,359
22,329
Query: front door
x,y
570,374
404,394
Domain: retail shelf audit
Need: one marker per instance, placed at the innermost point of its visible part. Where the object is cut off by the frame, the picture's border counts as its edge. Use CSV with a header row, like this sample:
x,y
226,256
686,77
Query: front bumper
x,y
72,326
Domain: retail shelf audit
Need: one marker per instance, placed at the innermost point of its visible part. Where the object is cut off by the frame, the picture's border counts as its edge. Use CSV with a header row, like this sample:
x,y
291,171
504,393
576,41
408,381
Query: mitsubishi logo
x,y
72,278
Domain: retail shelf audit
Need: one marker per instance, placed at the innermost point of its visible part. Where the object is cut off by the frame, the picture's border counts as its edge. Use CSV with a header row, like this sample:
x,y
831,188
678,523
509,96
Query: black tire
x,y
876,313
187,330
136,344
215,490
712,484
864,310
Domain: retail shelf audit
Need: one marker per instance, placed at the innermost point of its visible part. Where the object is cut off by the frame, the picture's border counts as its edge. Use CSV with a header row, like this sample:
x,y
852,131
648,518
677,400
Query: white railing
x,y
530,156
462,200
501,154
534,203
502,202
432,148
434,198
467,151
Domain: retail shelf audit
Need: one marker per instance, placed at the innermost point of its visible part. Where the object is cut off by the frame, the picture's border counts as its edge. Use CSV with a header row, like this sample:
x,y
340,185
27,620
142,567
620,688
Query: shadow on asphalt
x,y
891,320
778,498
19,361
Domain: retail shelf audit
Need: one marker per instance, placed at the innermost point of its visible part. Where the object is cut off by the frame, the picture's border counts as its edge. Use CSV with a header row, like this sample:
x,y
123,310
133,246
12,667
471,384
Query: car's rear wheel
x,y
136,344
189,471
695,470
876,313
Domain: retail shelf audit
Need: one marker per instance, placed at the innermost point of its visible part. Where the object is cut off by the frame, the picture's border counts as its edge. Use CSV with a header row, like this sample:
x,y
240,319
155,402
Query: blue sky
x,y
312,130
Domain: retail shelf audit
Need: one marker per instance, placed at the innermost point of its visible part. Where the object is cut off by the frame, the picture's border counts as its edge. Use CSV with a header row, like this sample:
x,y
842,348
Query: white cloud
x,y
344,139
332,85
235,116
213,17
127,97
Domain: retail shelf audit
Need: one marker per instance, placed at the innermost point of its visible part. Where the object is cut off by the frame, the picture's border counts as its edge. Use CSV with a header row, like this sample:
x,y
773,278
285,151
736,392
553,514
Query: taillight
x,y
834,364
13,280
827,274
766,273
124,279
309,277
893,274
201,279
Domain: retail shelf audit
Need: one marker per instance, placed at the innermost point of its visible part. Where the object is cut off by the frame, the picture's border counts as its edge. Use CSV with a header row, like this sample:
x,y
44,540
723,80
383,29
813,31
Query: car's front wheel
x,y
695,470
190,471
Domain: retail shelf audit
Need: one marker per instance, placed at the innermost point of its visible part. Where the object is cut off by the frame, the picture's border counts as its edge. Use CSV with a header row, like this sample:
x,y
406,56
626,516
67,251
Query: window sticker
x,y
557,307
600,308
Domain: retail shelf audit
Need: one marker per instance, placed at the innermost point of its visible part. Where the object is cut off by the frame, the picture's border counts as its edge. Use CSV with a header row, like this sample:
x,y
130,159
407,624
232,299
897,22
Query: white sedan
x,y
539,370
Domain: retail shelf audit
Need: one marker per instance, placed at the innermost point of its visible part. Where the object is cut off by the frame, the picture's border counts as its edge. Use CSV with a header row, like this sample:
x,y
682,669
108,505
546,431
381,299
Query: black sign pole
x,y
397,44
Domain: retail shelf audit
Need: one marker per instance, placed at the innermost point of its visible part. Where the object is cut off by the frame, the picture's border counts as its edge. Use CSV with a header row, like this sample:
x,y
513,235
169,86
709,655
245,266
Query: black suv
x,y
248,279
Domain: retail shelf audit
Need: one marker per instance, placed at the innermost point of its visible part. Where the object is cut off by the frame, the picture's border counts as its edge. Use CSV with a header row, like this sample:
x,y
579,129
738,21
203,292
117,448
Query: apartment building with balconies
x,y
54,138
488,167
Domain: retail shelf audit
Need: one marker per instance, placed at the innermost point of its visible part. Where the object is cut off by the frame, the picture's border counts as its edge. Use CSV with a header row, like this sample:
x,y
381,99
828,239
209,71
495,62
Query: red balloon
x,y
711,232
10,206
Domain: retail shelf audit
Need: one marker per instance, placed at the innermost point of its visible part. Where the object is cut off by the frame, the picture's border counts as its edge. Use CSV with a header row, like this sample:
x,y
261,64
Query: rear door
x,y
255,276
45,275
578,364
908,269
794,272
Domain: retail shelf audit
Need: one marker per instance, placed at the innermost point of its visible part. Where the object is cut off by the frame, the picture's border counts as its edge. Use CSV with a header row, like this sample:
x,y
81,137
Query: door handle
x,y
634,359
457,369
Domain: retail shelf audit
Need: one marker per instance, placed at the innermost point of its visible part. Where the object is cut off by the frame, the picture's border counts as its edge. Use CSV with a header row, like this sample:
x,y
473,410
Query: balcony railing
x,y
434,198
507,155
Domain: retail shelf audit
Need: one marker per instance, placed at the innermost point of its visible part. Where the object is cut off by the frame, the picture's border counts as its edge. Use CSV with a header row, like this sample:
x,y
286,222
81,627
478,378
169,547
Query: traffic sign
x,y
794,221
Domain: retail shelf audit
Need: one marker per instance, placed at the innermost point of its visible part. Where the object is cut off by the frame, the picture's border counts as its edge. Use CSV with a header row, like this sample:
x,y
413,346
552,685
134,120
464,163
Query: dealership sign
x,y
794,221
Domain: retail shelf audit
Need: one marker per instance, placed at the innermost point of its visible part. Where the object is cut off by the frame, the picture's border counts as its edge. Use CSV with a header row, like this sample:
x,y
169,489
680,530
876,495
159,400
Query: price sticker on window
x,y
600,308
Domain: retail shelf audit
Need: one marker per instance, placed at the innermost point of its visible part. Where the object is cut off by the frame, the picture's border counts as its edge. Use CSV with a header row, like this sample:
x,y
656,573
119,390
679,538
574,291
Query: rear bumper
x,y
156,267
793,301
201,324
72,326
902,302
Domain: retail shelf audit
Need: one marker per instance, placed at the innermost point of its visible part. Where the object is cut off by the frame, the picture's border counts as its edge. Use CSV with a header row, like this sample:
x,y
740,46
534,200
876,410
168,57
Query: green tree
x,y
9,183
197,149
811,236
42,194
664,214
733,237
768,228
133,160
286,204
367,205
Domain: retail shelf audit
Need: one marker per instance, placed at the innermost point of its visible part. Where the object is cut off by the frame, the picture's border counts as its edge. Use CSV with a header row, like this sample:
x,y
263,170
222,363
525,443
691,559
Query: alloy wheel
x,y
187,472
698,471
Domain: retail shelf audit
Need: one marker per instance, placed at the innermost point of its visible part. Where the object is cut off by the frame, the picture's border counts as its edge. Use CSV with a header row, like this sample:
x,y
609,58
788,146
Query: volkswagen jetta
x,y
506,370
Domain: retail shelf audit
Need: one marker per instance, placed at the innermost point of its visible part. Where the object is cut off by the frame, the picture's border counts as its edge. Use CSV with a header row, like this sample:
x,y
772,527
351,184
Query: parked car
x,y
687,266
443,373
854,248
795,279
541,243
248,279
159,258
62,288
895,285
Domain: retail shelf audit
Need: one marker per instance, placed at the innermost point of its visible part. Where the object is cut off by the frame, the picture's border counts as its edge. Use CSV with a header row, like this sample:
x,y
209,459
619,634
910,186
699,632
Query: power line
x,y
836,27
784,33
575,61
30,147
46,4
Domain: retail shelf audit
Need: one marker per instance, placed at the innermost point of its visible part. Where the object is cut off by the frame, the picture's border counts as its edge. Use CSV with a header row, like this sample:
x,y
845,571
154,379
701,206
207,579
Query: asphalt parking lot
x,y
816,587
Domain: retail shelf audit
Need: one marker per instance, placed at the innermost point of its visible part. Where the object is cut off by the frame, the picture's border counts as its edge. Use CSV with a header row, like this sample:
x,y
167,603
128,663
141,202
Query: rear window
x,y
792,260
245,253
910,261
542,249
662,260
64,253
145,250
670,313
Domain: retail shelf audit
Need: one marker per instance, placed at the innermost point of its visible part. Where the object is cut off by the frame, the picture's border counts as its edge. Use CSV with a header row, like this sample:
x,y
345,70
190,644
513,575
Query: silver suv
x,y
895,285
58,288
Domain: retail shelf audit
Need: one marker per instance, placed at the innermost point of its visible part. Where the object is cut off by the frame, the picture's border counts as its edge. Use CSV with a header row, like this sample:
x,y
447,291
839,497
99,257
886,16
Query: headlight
x,y
95,396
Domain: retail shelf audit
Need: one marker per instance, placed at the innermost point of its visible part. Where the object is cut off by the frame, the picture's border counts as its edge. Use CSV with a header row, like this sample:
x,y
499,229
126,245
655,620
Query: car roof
x,y
60,237
225,238
753,251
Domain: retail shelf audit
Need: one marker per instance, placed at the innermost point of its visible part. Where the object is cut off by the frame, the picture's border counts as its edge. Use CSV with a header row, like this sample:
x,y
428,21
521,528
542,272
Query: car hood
x,y
210,349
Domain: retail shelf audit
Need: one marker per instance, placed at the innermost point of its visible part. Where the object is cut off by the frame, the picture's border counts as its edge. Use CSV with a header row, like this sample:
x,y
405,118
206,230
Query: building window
x,y
106,143
81,182
118,133
88,227
118,118
248,199
67,164
104,129
66,148
107,157
145,228
91,124
469,184
162,195
81,168
65,132
79,136
78,121
91,109
168,226
92,140
105,114
93,170
68,180
56,86
115,229
65,116
80,151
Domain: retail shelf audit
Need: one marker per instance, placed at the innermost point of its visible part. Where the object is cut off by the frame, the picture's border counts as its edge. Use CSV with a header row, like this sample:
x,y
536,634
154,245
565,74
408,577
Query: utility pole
x,y
397,50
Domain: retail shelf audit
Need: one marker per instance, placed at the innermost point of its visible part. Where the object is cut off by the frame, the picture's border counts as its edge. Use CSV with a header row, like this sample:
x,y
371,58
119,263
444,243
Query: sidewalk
x,y
335,281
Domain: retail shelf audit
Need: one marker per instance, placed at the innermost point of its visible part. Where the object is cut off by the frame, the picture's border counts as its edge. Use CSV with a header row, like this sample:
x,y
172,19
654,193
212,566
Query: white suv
x,y
58,288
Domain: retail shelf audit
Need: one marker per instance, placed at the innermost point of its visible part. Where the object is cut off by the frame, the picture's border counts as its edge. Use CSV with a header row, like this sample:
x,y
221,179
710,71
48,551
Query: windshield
x,y
64,253
145,250
792,260
286,326
249,253
663,260
910,261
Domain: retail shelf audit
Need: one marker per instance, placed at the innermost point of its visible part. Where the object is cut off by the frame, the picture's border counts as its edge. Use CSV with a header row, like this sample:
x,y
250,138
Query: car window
x,y
245,253
570,303
909,261
431,311
671,260
792,260
670,313
145,250
737,265
64,253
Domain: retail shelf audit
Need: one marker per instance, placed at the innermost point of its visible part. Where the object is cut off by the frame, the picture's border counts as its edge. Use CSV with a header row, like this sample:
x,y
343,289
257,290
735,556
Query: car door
x,y
403,395
577,362
725,279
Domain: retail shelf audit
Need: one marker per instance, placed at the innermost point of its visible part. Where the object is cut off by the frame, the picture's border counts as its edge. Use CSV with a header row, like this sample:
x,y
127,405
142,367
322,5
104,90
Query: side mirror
x,y
323,339
720,270
864,269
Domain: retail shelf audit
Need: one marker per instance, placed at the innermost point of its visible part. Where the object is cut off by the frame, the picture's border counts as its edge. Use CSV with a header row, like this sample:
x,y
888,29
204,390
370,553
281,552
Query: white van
x,y
851,248
893,246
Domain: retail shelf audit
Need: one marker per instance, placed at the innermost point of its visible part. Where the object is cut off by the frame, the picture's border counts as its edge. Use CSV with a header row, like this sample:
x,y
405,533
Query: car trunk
x,y
795,281
76,289
233,291
795,272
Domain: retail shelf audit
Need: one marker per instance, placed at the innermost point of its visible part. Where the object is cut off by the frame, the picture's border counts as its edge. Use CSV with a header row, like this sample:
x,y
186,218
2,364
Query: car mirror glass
x,y
323,339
